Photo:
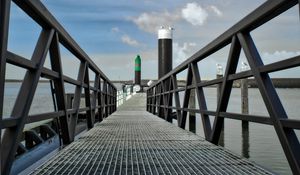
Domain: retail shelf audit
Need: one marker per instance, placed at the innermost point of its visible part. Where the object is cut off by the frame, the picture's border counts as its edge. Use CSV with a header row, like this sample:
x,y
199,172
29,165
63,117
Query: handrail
x,y
51,36
160,94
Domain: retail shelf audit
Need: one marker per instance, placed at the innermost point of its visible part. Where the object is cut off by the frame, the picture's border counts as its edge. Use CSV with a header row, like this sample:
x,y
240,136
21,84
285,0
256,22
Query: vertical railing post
x,y
201,102
100,101
69,98
162,115
151,100
95,97
154,103
169,87
110,99
115,100
105,98
186,98
165,99
87,95
4,28
219,91
160,101
157,107
147,100
176,98
192,115
232,63
59,87
77,98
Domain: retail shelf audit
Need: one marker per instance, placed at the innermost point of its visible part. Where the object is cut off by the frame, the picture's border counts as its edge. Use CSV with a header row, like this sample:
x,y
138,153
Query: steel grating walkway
x,y
133,141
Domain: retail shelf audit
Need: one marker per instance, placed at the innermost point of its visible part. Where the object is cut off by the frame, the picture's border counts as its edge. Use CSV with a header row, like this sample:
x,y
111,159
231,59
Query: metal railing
x,y
52,34
160,94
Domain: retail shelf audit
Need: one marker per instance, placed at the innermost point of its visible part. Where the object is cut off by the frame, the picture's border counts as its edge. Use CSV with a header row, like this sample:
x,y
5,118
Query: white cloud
x,y
125,38
278,55
194,14
216,10
115,29
183,52
128,40
150,22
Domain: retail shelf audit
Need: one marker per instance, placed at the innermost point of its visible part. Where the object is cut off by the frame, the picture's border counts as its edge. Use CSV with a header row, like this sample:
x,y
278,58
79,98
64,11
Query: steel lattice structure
x,y
102,101
160,94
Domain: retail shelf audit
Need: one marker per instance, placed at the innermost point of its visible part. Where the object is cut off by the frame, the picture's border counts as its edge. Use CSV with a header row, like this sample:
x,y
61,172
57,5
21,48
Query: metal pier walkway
x,y
133,141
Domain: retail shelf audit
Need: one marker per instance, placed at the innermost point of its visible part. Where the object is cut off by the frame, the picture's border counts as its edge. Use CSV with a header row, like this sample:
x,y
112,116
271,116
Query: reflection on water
x,y
245,139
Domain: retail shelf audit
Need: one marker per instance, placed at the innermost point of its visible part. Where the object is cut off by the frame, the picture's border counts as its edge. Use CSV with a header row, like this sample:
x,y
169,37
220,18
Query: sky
x,y
112,33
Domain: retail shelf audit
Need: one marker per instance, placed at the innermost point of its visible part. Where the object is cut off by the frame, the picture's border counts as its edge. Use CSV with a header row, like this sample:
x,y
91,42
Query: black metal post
x,y
165,66
164,51
245,124
245,140
219,90
244,100
4,28
192,115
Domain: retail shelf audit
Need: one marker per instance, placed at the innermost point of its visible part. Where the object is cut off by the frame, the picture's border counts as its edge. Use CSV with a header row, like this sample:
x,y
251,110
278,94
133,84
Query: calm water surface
x,y
260,143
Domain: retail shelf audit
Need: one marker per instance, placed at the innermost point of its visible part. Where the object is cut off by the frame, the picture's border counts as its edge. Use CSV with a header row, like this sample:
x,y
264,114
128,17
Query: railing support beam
x,y
59,87
287,136
4,27
11,136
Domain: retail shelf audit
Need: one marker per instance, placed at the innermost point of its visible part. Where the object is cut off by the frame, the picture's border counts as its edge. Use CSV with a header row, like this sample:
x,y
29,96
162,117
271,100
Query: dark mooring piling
x,y
164,51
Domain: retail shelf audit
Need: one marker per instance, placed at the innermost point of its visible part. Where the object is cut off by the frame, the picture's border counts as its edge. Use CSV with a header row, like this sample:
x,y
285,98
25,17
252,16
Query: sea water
x,y
260,143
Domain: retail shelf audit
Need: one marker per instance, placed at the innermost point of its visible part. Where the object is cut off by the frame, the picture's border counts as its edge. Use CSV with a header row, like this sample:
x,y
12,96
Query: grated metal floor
x,y
133,141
